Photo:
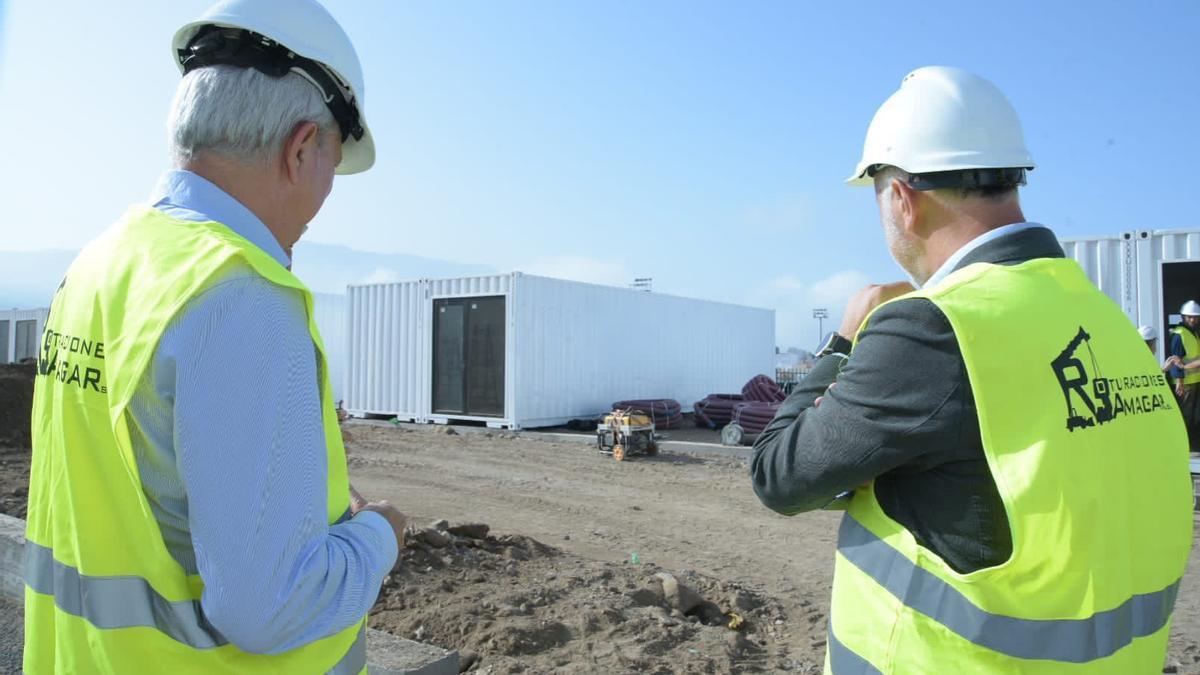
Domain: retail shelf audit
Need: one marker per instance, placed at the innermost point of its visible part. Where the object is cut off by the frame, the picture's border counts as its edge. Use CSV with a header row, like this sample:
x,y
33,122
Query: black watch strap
x,y
834,343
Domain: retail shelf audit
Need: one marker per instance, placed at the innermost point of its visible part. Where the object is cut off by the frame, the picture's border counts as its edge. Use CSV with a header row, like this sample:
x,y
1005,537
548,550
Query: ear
x,y
300,148
907,202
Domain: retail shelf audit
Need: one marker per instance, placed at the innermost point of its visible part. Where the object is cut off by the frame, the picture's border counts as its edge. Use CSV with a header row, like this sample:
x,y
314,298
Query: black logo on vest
x,y
1093,399
71,359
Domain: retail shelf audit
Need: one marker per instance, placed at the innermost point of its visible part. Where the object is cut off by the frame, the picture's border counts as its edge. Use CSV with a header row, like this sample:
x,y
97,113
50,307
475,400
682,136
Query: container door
x,y
26,343
449,356
4,341
1180,283
485,356
468,356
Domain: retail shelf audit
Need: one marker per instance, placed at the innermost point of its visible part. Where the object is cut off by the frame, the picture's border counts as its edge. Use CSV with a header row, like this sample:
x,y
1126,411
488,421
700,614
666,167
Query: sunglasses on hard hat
x,y
217,45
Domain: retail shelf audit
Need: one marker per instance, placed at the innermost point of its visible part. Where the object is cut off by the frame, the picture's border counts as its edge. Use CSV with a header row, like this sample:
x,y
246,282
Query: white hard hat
x,y
944,119
301,37
1190,308
1148,333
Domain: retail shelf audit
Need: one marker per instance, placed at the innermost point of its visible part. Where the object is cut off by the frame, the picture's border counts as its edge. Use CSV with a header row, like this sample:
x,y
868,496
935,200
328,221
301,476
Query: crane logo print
x,y
1093,399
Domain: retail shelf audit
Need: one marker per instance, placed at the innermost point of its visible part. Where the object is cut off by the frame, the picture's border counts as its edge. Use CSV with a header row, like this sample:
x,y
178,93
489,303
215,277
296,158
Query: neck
x,y
963,223
252,186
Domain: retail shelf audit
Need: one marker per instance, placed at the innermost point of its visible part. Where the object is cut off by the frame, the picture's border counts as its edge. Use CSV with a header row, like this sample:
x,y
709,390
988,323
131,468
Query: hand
x,y
866,300
356,501
1179,388
397,520
817,401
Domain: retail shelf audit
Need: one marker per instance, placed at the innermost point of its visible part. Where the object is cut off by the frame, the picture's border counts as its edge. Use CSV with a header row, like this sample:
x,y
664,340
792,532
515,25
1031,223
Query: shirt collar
x,y
991,235
190,196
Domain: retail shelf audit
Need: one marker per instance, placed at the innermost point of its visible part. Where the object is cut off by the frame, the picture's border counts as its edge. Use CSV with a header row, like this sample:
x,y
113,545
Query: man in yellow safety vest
x,y
1184,348
189,508
1017,499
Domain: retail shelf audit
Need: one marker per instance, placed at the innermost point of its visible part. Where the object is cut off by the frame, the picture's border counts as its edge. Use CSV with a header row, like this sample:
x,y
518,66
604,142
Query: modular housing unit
x,y
1149,273
519,351
21,333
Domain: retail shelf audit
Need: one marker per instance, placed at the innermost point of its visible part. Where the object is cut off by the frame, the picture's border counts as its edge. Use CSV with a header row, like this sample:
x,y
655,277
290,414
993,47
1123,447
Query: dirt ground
x,y
16,399
694,517
663,564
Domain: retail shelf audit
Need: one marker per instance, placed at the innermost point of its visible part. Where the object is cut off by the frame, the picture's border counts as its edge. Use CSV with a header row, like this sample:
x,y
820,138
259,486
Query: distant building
x,y
516,350
20,332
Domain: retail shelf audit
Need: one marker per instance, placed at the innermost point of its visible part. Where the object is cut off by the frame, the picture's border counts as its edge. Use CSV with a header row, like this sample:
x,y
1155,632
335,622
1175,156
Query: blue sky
x,y
703,144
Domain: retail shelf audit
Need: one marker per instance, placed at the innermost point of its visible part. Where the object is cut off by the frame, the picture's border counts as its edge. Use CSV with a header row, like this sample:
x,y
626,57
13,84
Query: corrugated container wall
x,y
570,350
329,310
1139,271
387,339
21,333
580,347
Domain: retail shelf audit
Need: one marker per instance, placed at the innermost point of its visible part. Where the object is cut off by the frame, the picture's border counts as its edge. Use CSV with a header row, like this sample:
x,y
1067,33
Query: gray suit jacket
x,y
904,415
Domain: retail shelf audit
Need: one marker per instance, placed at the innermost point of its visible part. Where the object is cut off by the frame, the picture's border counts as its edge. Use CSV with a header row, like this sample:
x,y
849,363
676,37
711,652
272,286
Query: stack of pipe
x,y
754,416
716,410
666,413
763,389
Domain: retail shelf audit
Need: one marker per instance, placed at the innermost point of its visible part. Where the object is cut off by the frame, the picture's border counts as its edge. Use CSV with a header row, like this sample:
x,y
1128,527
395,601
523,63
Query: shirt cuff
x,y
383,530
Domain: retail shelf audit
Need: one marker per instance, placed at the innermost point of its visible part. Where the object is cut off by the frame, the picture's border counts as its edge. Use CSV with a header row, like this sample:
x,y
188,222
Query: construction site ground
x,y
586,561
693,516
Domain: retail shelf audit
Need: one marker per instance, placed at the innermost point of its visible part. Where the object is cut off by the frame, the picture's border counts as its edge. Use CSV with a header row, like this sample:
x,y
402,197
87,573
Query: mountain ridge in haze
x,y
28,278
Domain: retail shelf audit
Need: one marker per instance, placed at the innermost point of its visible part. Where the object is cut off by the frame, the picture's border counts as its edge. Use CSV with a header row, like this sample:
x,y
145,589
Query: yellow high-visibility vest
x,y
102,593
1090,458
1191,351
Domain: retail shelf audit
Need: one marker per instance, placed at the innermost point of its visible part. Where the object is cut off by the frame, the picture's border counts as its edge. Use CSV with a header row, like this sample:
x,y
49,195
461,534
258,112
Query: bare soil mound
x,y
511,604
16,403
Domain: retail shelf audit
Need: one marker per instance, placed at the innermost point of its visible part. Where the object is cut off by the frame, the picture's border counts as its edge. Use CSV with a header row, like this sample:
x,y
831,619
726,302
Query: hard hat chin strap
x,y
214,45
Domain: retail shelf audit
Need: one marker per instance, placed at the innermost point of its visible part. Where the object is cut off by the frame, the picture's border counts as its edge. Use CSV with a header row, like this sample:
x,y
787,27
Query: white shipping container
x,y
329,311
516,350
1149,273
21,333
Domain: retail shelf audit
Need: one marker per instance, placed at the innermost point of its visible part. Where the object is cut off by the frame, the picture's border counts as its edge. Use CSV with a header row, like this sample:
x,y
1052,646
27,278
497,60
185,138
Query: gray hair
x,y
241,114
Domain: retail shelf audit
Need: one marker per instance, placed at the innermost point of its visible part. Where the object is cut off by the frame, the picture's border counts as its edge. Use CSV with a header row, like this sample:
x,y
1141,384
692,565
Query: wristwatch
x,y
834,344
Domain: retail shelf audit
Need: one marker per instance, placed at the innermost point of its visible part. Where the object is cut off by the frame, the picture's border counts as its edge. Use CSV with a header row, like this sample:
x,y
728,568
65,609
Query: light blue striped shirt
x,y
226,429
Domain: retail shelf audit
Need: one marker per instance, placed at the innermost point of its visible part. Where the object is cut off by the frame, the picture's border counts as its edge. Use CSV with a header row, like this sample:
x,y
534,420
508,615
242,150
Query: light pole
x,y
820,314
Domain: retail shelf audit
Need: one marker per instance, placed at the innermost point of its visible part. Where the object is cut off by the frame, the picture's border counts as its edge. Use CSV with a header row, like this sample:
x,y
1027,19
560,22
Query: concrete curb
x,y
12,557
387,654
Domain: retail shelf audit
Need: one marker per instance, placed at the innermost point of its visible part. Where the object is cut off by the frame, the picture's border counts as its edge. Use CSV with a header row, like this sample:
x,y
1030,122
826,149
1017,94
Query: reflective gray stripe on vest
x,y
129,602
1070,640
843,661
117,602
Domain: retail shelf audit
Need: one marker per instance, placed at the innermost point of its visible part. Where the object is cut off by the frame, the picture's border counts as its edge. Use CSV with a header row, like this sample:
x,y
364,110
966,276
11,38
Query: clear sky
x,y
703,144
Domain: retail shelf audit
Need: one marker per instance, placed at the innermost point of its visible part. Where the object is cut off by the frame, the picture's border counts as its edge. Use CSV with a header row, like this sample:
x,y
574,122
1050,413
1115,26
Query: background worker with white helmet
x,y
1006,448
1150,335
189,506
1183,351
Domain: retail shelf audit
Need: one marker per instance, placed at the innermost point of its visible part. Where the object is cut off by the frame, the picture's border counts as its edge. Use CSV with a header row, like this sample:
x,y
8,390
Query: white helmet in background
x,y
281,36
1190,308
1148,333
946,119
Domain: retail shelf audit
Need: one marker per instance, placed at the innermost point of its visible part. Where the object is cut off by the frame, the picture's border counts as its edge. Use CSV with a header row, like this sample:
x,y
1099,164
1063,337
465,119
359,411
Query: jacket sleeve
x,y
251,452
1176,349
886,412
